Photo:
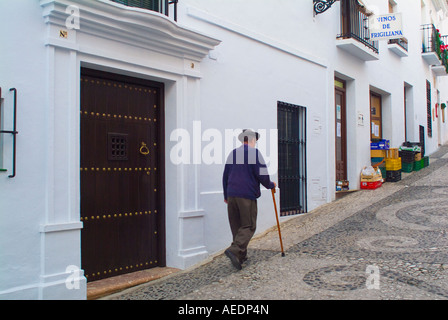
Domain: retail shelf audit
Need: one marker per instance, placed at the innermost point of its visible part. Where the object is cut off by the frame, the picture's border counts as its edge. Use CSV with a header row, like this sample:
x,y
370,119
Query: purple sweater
x,y
245,169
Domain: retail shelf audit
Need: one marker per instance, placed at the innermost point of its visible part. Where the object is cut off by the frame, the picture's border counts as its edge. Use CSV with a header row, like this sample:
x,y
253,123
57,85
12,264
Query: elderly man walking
x,y
244,171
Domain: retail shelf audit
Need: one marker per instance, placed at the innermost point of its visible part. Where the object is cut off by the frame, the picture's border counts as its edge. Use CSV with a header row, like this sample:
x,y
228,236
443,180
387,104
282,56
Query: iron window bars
x,y
292,170
14,133
161,6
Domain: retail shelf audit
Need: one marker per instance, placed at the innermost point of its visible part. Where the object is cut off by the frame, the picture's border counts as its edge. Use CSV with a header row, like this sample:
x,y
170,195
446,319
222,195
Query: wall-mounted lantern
x,y
320,6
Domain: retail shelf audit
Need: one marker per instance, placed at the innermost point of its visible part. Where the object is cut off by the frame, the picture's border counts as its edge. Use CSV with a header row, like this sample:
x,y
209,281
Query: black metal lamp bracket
x,y
14,133
320,6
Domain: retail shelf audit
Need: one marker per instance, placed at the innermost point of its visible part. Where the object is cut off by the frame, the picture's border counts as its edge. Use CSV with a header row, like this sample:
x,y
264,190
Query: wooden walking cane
x,y
278,223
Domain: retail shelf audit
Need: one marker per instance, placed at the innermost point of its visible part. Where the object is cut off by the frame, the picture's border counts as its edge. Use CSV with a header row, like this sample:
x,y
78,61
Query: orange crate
x,y
392,153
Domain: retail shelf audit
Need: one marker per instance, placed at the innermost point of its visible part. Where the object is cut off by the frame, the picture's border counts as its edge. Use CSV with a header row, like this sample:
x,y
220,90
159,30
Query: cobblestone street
x,y
388,243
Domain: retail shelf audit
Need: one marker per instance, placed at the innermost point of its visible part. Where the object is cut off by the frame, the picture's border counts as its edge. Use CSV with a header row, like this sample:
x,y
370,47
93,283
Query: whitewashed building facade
x,y
125,111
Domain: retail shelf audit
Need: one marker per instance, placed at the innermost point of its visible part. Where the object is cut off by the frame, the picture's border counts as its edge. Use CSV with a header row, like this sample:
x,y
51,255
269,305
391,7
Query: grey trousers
x,y
243,222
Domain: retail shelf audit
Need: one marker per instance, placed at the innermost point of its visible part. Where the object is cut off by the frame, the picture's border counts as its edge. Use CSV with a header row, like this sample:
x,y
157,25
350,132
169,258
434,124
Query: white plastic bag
x,y
368,171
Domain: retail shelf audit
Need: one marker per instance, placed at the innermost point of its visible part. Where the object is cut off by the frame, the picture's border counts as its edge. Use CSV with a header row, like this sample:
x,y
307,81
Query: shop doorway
x,y
122,174
376,118
341,130
405,113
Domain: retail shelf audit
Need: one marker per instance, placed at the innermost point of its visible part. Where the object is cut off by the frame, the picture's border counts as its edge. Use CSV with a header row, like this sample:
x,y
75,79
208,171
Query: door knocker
x,y
144,149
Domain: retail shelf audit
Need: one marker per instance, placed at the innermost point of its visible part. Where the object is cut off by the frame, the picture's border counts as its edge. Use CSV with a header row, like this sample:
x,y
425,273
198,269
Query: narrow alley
x,y
385,244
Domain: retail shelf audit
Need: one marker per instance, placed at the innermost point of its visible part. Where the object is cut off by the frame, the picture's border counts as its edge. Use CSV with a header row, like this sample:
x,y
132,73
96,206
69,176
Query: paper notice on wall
x,y
338,129
377,131
373,127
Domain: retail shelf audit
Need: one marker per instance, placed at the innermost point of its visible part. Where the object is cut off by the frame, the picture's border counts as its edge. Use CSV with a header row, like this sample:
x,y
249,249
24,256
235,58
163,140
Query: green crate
x,y
383,171
417,165
407,167
426,161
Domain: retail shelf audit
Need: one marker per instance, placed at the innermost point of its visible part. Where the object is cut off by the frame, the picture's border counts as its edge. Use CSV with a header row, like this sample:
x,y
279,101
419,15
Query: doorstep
x,y
343,193
101,288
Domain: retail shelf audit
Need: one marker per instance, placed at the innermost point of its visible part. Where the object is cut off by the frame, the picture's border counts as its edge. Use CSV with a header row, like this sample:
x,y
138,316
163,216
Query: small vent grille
x,y
117,146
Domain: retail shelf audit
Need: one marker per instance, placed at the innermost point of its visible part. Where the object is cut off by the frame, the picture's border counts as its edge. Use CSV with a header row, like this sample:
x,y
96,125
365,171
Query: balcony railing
x,y
161,6
444,39
444,56
433,43
429,38
402,42
355,24
444,53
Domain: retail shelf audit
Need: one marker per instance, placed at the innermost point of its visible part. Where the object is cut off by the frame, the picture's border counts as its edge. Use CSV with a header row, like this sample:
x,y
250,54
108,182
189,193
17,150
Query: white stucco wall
x,y
225,65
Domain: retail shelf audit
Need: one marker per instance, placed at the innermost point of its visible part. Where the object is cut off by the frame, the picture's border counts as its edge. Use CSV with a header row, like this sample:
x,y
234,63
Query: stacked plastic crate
x,y
411,157
393,165
407,160
378,150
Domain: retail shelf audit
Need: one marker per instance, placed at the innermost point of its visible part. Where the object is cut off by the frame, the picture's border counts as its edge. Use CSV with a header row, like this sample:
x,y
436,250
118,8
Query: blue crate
x,y
381,145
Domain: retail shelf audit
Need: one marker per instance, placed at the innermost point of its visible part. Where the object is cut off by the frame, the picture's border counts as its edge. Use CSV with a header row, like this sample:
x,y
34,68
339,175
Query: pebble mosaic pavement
x,y
400,230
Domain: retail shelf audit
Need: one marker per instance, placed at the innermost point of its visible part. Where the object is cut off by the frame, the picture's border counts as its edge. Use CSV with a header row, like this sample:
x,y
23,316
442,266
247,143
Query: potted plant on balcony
x,y
441,49
439,43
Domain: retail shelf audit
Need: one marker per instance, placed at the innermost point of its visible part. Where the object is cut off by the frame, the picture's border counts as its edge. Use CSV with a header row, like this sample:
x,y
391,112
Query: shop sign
x,y
385,27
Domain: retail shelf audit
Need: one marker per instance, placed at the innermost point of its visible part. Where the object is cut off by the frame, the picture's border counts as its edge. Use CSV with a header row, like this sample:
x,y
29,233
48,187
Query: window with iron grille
x,y
153,5
1,128
428,107
292,158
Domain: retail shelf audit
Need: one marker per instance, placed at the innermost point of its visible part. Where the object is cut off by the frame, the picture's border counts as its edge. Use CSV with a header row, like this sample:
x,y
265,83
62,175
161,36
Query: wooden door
x,y
122,189
405,113
341,132
376,122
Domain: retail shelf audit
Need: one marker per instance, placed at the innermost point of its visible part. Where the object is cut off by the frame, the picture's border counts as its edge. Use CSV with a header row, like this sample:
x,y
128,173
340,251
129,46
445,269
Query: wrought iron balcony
x,y
355,26
432,51
429,37
399,46
442,70
402,42
444,54
161,6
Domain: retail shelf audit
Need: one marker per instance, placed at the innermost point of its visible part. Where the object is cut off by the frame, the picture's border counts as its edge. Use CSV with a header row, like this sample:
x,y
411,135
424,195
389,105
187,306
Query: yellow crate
x,y
378,153
392,153
393,164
